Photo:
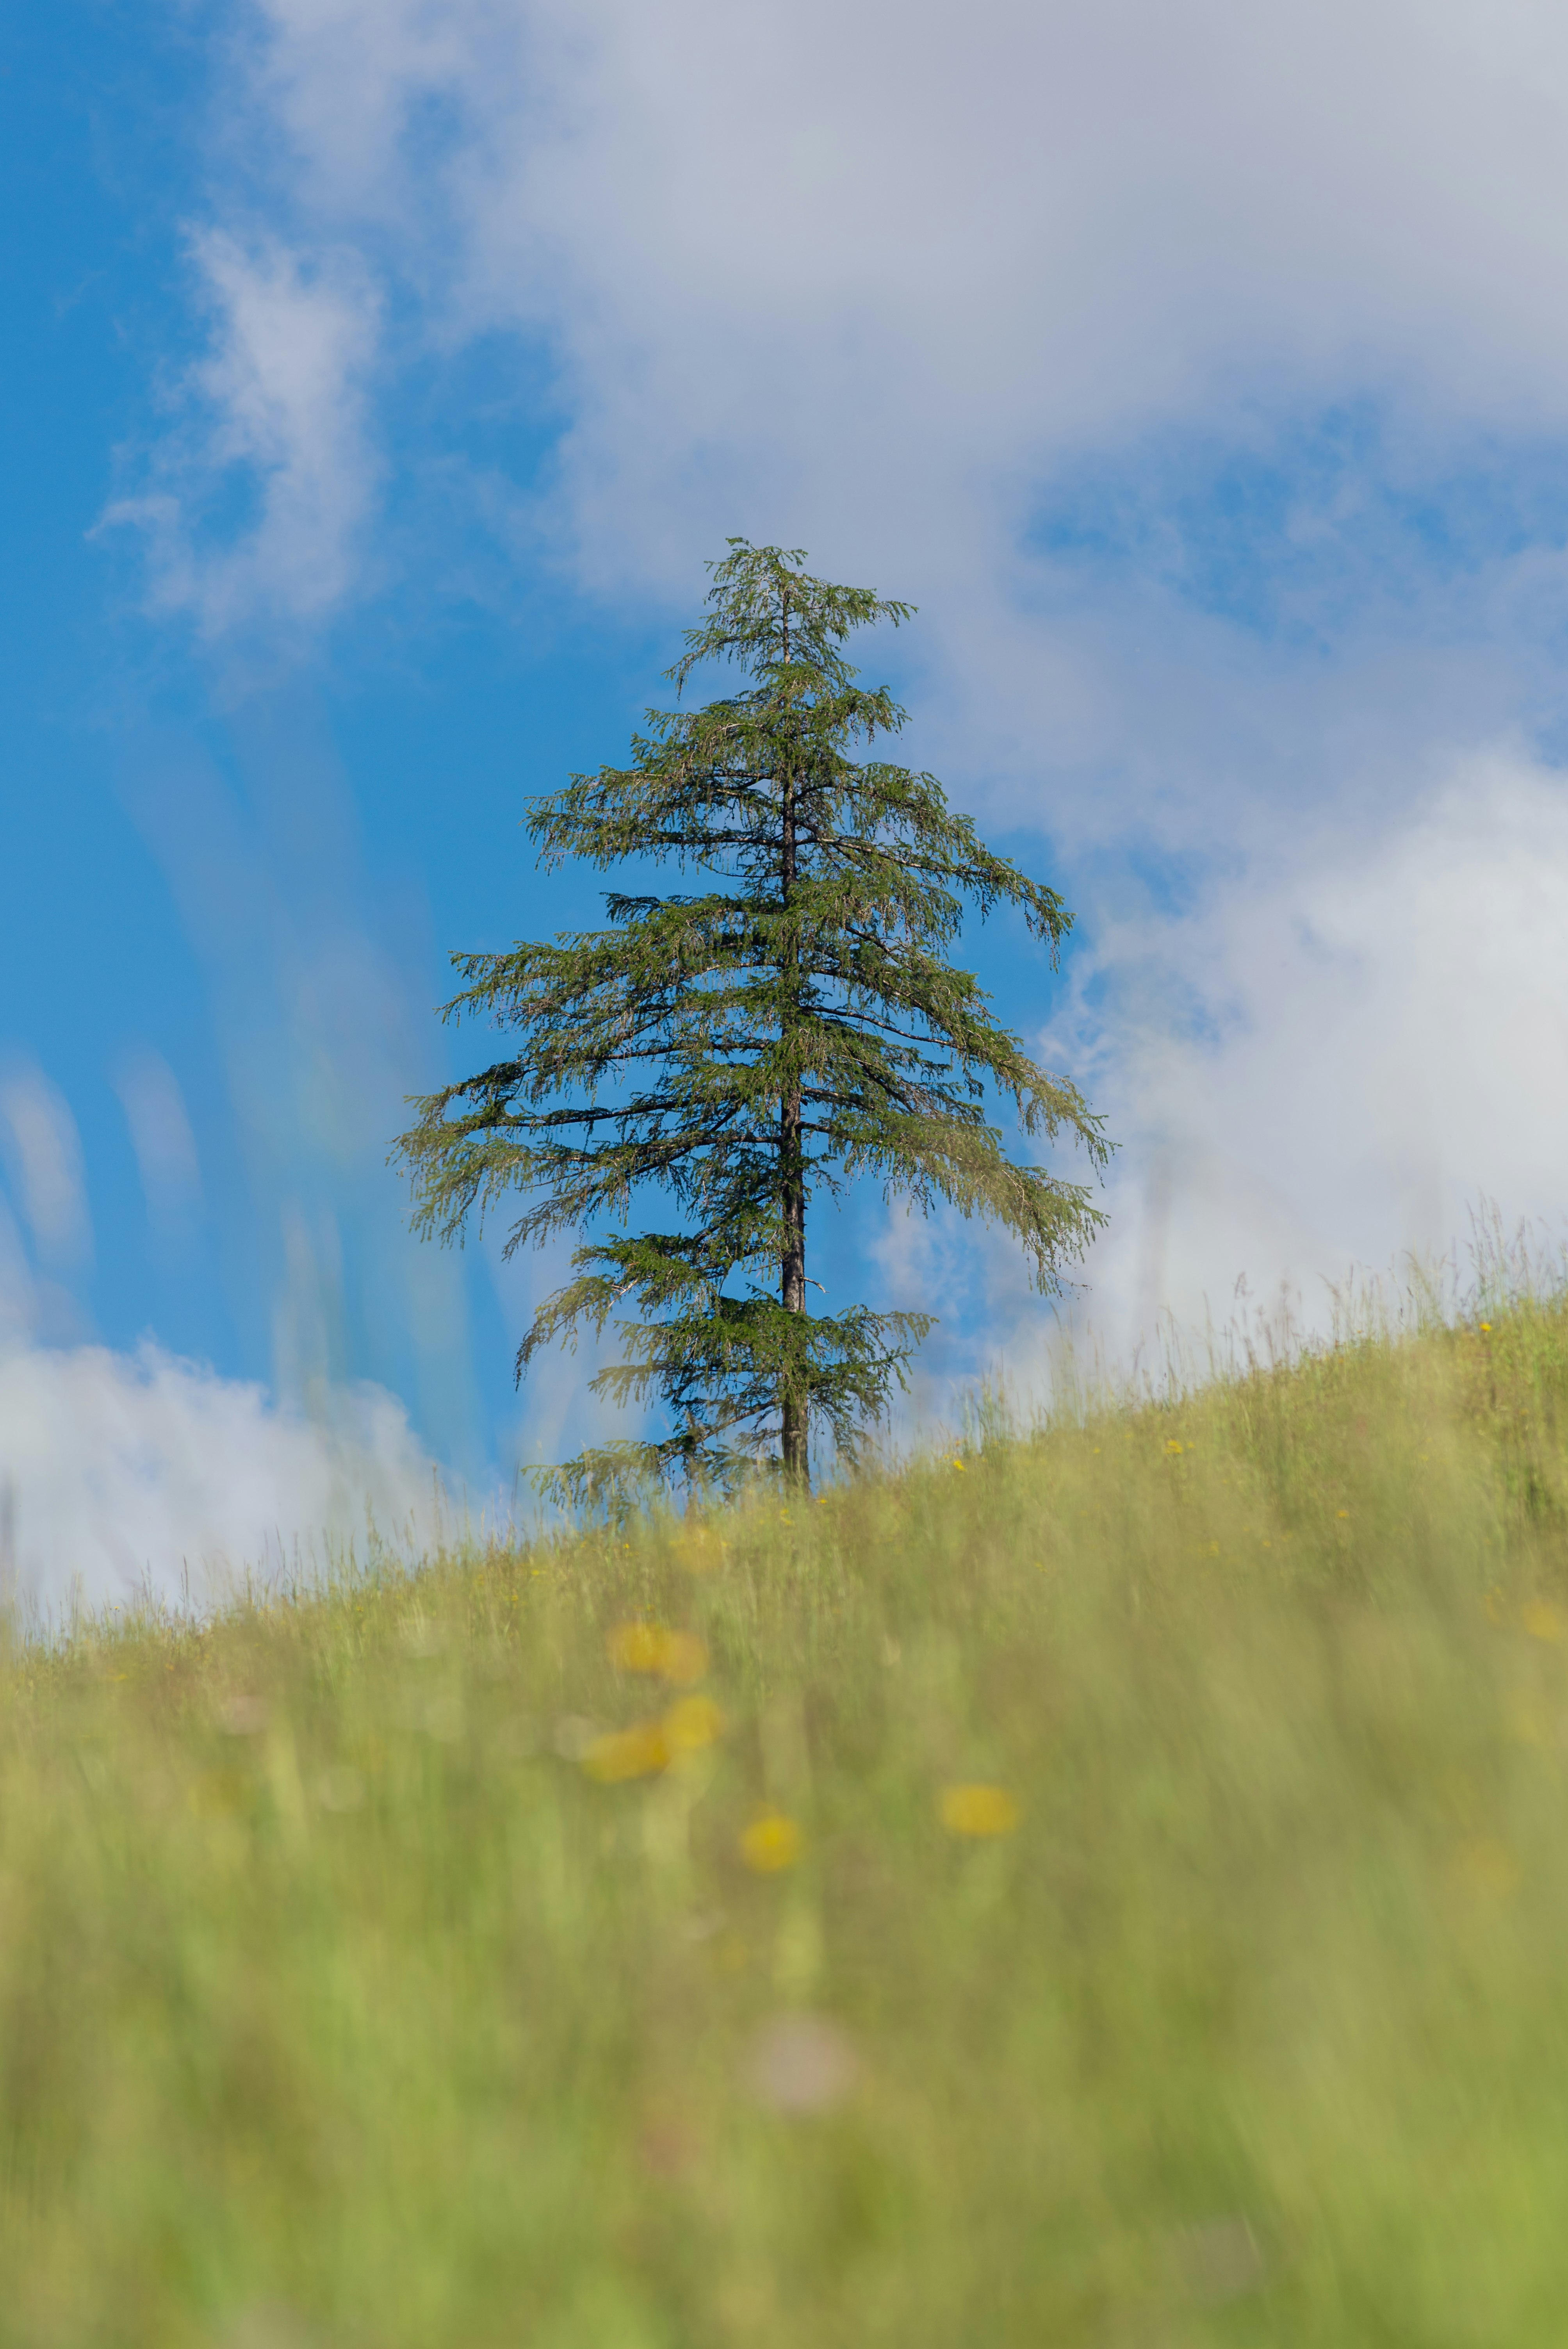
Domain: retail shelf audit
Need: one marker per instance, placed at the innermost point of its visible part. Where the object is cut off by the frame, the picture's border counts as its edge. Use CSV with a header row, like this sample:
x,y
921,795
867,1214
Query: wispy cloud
x,y
256,505
161,1135
313,981
43,1155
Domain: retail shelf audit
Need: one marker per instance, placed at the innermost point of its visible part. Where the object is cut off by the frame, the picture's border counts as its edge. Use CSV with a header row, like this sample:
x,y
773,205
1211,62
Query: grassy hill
x,y
1109,1888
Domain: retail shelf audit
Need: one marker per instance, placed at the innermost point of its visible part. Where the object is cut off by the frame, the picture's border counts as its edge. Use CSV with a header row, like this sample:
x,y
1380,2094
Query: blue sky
x,y
380,377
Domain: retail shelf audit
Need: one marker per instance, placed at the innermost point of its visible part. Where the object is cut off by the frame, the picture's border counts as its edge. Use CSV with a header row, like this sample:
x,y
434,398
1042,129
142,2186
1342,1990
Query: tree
x,y
750,1048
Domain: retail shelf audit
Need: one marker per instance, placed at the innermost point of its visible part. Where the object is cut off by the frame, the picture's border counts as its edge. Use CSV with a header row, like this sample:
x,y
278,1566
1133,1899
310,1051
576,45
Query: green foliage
x,y
749,1049
433,1961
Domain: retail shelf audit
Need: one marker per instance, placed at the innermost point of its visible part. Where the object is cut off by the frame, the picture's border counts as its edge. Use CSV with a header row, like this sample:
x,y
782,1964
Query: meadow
x,y
1107,1886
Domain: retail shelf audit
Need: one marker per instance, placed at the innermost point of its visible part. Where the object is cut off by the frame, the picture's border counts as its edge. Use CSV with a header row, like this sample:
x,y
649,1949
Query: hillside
x,y
1106,1888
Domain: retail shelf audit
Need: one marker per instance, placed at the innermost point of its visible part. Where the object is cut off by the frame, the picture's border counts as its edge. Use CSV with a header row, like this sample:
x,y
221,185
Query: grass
x,y
1109,1888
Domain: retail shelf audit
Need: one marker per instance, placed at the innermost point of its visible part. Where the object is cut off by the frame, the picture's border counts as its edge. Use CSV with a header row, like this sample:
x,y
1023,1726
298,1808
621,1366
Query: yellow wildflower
x,y
771,1843
639,1753
636,1647
694,1721
978,1811
1172,1447
678,1656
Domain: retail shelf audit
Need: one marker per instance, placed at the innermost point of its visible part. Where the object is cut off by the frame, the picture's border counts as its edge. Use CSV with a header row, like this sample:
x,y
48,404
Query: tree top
x,y
769,614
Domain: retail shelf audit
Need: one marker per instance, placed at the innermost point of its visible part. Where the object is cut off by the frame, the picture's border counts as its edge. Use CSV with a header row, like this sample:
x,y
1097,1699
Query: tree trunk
x,y
795,1408
792,1283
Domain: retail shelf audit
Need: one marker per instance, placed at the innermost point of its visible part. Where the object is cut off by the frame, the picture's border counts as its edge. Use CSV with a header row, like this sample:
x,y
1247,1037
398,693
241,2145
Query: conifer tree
x,y
749,1050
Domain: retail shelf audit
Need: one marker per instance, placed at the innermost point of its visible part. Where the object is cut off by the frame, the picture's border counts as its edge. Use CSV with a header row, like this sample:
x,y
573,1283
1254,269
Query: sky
x,y
379,379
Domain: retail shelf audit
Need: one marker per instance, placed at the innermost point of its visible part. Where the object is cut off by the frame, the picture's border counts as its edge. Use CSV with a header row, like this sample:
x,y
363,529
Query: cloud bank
x,y
1388,1052
122,1478
130,1477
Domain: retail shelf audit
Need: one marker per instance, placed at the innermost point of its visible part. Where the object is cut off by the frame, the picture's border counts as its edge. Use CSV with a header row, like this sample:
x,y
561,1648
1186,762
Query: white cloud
x,y
867,306
120,1476
1380,1047
124,1473
871,300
